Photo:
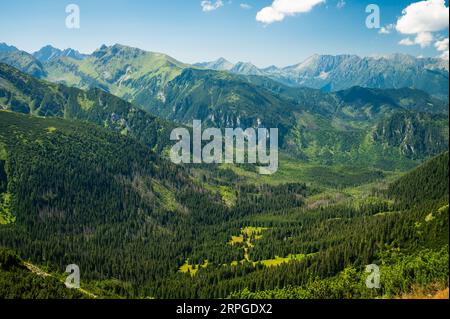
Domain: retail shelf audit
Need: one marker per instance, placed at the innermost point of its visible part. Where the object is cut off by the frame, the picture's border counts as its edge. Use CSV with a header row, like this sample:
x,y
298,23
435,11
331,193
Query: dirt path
x,y
38,271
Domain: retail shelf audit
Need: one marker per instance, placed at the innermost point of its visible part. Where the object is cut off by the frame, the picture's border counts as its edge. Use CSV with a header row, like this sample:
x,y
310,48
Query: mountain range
x,y
345,126
328,127
325,72
332,73
49,53
348,126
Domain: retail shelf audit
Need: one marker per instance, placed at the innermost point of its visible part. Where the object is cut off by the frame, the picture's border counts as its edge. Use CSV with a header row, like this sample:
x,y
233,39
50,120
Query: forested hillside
x,y
71,204
411,248
18,282
22,93
76,193
80,194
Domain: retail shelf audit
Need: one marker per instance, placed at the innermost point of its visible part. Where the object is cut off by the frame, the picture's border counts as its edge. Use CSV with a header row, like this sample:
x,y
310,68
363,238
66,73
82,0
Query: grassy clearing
x,y
236,240
246,240
248,234
325,178
187,268
51,129
277,261
387,213
228,195
6,216
166,196
3,153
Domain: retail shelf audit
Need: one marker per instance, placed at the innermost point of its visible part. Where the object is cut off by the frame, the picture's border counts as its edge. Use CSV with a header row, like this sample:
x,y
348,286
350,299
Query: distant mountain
x,y
219,65
243,68
334,73
246,68
130,73
7,48
136,75
49,53
331,73
134,70
23,61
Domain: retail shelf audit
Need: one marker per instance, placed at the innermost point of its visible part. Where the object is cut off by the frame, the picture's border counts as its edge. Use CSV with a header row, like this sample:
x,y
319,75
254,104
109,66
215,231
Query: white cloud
x,y
406,41
386,29
423,39
210,5
421,19
341,4
282,8
269,15
442,46
245,6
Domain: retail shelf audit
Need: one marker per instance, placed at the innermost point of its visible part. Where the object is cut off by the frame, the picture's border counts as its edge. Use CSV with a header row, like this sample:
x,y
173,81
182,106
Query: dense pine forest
x,y
18,282
139,226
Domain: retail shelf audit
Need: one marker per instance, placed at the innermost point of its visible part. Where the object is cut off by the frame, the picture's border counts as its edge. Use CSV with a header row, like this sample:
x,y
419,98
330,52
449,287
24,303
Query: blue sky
x,y
183,30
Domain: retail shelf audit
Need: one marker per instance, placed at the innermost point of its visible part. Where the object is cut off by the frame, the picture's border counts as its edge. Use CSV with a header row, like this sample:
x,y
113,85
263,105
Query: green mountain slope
x,y
426,184
24,62
407,238
18,282
313,125
223,100
415,134
22,93
81,194
342,127
130,73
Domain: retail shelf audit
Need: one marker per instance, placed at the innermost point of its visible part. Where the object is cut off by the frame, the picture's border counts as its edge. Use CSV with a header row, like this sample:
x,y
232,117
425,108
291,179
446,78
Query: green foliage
x,y
400,274
17,282
428,183
412,133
